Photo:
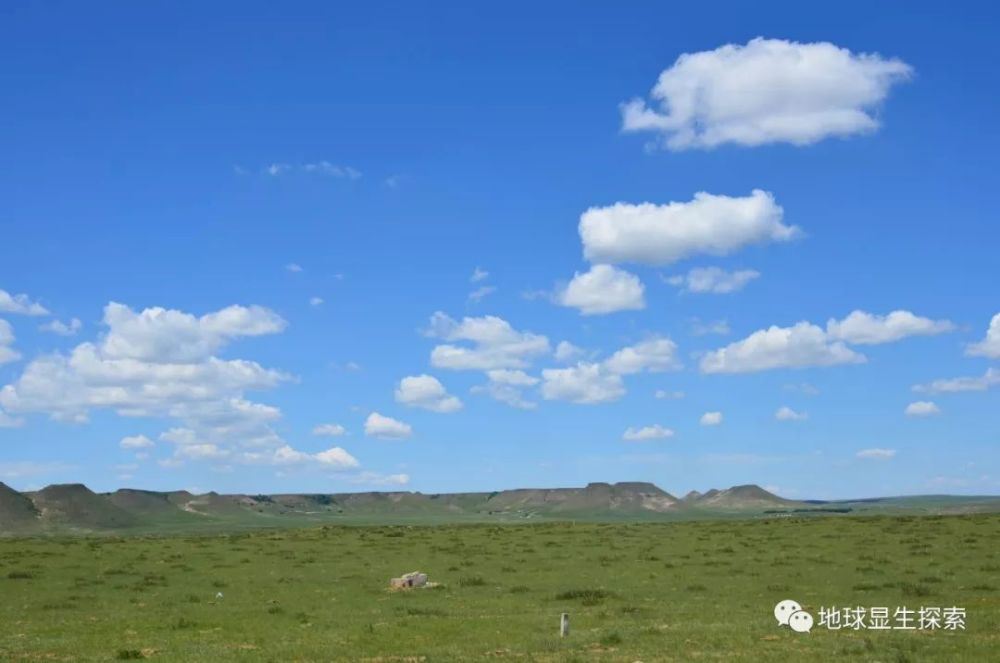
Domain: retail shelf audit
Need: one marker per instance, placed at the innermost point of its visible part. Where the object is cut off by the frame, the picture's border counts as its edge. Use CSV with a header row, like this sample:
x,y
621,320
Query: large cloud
x,y
989,346
603,289
158,363
495,344
863,328
661,234
169,336
767,91
799,346
427,392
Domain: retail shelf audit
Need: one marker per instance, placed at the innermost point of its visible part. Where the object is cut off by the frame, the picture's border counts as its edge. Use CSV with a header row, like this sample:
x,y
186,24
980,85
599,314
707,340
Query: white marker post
x,y
564,625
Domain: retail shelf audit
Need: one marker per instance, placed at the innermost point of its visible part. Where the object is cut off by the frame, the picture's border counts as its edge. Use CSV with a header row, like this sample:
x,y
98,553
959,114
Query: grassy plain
x,y
682,591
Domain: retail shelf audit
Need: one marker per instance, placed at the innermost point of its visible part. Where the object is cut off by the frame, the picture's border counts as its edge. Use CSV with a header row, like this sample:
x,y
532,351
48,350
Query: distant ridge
x,y
75,508
17,512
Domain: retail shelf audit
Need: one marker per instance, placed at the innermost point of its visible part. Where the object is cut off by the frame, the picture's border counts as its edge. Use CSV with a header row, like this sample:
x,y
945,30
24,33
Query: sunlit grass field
x,y
685,591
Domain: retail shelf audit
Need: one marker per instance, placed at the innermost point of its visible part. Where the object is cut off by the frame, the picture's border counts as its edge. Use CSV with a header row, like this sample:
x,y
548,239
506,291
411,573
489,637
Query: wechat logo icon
x,y
789,613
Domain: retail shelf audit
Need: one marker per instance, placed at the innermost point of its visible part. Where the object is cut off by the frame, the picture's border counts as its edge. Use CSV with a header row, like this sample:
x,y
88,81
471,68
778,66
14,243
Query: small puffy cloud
x,y
7,353
876,454
665,395
586,383
136,442
315,301
662,234
20,305
954,385
713,280
786,413
377,425
329,430
989,346
427,392
711,419
336,457
655,355
604,289
922,409
495,344
654,432
766,91
863,328
62,328
481,292
566,351
800,346
376,479
294,267
478,274
507,386
333,458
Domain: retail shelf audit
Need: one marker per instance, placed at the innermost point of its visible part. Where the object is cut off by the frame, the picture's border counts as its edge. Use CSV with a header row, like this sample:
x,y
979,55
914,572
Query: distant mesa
x,y
69,508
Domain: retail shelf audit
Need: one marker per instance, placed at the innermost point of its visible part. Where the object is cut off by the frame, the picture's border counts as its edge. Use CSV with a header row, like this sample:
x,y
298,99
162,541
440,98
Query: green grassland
x,y
679,591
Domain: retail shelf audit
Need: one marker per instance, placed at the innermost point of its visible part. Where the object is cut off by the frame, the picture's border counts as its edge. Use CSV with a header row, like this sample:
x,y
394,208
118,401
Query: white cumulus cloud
x,y
989,346
922,409
377,425
494,344
989,379
786,413
766,91
507,386
586,383
159,364
62,328
654,355
604,289
863,328
662,234
136,442
427,392
711,419
799,346
20,304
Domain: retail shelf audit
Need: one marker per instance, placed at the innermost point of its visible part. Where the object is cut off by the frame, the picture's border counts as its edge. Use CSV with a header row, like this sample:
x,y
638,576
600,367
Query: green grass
x,y
684,591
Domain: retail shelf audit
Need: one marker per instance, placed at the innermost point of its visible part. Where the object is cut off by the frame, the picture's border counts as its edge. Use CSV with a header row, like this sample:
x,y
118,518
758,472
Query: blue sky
x,y
266,218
